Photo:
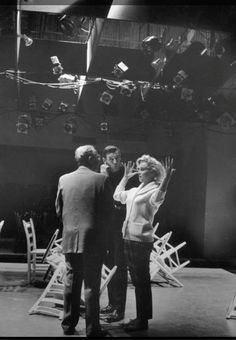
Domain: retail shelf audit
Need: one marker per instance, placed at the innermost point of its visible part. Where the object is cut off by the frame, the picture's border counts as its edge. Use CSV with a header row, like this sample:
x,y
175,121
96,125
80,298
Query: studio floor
x,y
196,310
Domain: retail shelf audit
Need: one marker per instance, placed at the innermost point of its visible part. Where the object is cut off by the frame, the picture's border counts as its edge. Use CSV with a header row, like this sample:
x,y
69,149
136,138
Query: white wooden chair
x,y
165,260
231,312
160,242
54,257
51,301
106,277
36,257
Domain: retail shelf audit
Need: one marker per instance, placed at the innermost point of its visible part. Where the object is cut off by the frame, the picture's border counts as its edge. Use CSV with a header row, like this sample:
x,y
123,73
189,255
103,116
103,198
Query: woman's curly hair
x,y
153,165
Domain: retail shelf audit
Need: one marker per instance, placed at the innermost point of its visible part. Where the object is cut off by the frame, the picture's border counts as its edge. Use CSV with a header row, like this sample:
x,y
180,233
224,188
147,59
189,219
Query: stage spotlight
x,y
70,125
57,68
211,101
219,49
151,44
47,104
67,78
179,78
226,121
63,107
32,103
70,25
106,98
144,114
127,89
28,41
39,121
159,63
186,94
23,124
120,69
66,25
104,127
194,50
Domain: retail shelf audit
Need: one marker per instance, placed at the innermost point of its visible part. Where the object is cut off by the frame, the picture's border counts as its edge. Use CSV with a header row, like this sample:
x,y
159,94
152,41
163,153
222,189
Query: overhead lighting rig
x,y
32,104
28,41
39,121
120,69
71,25
47,104
104,127
57,67
63,107
106,98
23,124
70,125
67,78
127,89
151,44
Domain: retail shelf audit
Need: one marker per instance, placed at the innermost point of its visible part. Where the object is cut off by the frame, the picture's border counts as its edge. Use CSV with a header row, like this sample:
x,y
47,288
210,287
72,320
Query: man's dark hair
x,y
110,149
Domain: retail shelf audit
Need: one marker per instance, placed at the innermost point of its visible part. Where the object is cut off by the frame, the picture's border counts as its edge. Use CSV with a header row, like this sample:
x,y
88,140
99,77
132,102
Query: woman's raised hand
x,y
168,165
129,169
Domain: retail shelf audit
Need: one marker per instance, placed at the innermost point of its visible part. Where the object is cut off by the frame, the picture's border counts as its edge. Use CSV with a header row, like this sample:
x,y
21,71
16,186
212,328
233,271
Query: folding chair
x,y
51,301
36,257
165,261
231,312
160,242
106,277
54,258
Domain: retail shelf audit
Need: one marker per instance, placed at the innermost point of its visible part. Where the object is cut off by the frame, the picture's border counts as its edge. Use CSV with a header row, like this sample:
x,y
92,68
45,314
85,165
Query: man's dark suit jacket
x,y
84,202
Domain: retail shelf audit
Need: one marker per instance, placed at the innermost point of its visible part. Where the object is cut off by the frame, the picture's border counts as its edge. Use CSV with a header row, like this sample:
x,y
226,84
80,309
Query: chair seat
x,y
38,251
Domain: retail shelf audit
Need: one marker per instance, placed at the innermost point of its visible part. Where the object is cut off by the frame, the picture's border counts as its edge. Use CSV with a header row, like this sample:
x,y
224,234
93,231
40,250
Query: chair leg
x,y
47,272
231,313
29,271
34,266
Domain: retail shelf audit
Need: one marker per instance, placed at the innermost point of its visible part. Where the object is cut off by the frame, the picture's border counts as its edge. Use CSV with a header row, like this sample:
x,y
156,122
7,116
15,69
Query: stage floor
x,y
196,310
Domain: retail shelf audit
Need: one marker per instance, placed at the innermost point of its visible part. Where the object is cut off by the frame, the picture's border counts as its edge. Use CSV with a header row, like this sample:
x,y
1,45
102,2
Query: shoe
x,y
136,325
107,310
128,323
114,316
69,331
100,334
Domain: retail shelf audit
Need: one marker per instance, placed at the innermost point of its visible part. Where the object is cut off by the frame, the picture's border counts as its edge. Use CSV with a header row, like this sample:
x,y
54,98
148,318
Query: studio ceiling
x,y
124,28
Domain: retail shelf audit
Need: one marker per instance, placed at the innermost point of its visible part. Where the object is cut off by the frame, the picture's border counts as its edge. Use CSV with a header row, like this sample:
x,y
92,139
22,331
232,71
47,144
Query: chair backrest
x,y
1,225
33,230
30,235
50,245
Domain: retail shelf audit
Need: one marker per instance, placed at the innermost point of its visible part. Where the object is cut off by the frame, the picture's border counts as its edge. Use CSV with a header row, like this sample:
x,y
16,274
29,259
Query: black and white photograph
x,y
117,169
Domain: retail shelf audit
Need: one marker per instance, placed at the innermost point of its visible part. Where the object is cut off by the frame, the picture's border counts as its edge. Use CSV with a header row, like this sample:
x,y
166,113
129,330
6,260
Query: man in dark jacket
x,y
83,202
117,287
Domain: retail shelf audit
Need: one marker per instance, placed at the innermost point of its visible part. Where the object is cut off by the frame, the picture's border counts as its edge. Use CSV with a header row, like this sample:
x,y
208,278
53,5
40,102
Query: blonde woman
x,y
142,203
